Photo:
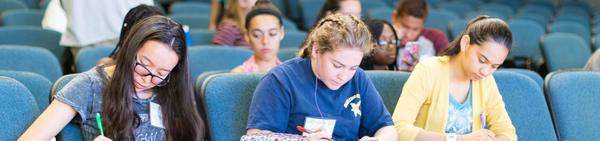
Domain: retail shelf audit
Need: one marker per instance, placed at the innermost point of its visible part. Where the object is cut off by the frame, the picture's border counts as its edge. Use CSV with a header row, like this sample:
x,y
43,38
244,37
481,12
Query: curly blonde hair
x,y
335,31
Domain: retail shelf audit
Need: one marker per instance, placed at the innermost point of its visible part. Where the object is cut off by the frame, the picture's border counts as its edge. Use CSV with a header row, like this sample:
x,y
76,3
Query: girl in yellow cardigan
x,y
454,97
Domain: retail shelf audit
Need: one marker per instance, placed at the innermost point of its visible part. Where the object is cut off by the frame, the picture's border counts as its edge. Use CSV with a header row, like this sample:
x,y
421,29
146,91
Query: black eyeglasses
x,y
155,79
388,44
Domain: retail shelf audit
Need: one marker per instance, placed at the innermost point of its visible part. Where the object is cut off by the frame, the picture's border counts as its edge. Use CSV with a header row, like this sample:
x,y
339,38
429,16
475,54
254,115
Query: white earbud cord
x,y
316,86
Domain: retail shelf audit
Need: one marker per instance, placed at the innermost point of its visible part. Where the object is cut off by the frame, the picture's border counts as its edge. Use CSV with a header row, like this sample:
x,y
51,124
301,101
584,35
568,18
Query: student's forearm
x,y
29,139
50,122
387,133
502,138
430,136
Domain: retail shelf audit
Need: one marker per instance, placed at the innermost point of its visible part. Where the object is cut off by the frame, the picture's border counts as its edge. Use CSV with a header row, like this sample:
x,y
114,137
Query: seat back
x,y
529,73
545,11
500,8
574,28
194,21
88,57
289,25
574,10
572,17
573,98
22,17
293,39
491,13
381,14
38,85
190,7
456,27
31,59
6,5
389,84
19,107
537,17
202,37
584,6
202,59
310,11
440,19
457,7
526,37
287,54
367,5
564,50
32,36
227,99
524,100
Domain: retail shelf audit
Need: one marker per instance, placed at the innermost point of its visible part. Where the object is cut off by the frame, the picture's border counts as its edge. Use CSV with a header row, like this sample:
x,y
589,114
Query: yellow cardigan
x,y
423,104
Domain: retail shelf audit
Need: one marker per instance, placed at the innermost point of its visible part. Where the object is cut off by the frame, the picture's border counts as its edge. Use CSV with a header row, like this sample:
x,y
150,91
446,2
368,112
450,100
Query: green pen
x,y
99,121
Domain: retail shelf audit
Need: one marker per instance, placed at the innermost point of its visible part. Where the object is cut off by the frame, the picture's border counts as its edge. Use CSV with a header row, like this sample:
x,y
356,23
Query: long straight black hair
x,y
179,111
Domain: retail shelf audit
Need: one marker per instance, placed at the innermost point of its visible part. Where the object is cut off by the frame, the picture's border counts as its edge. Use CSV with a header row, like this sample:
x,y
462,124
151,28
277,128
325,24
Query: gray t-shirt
x,y
84,94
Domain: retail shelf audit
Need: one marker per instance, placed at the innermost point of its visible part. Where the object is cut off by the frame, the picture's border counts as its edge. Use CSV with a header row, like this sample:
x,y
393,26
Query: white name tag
x,y
156,115
326,126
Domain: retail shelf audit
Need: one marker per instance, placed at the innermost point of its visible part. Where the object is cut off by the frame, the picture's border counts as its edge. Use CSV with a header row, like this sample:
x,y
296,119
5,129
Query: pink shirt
x,y
229,34
251,66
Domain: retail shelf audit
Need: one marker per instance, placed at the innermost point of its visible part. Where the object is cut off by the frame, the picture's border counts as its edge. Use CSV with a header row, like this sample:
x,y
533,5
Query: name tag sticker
x,y
156,115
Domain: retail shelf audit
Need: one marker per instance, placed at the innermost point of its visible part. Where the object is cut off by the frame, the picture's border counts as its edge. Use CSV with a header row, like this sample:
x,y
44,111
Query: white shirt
x,y
94,21
54,17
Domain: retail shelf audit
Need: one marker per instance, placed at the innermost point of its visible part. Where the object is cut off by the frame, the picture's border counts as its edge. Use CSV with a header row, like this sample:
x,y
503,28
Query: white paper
x,y
326,125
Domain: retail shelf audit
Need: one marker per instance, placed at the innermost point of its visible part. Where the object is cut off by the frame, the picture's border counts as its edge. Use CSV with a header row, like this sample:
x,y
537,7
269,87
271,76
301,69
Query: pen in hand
x,y
482,118
304,130
99,122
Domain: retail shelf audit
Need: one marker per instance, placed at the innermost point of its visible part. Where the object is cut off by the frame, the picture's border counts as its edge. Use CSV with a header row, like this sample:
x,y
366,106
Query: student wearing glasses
x,y
386,42
146,95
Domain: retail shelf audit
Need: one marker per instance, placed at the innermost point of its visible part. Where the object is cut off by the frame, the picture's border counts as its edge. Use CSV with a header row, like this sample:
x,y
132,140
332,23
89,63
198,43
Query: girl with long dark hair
x,y
146,95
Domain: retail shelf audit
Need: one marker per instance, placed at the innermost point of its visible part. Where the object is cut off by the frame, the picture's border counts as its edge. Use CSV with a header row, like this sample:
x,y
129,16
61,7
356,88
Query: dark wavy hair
x,y
482,29
337,31
179,111
133,16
